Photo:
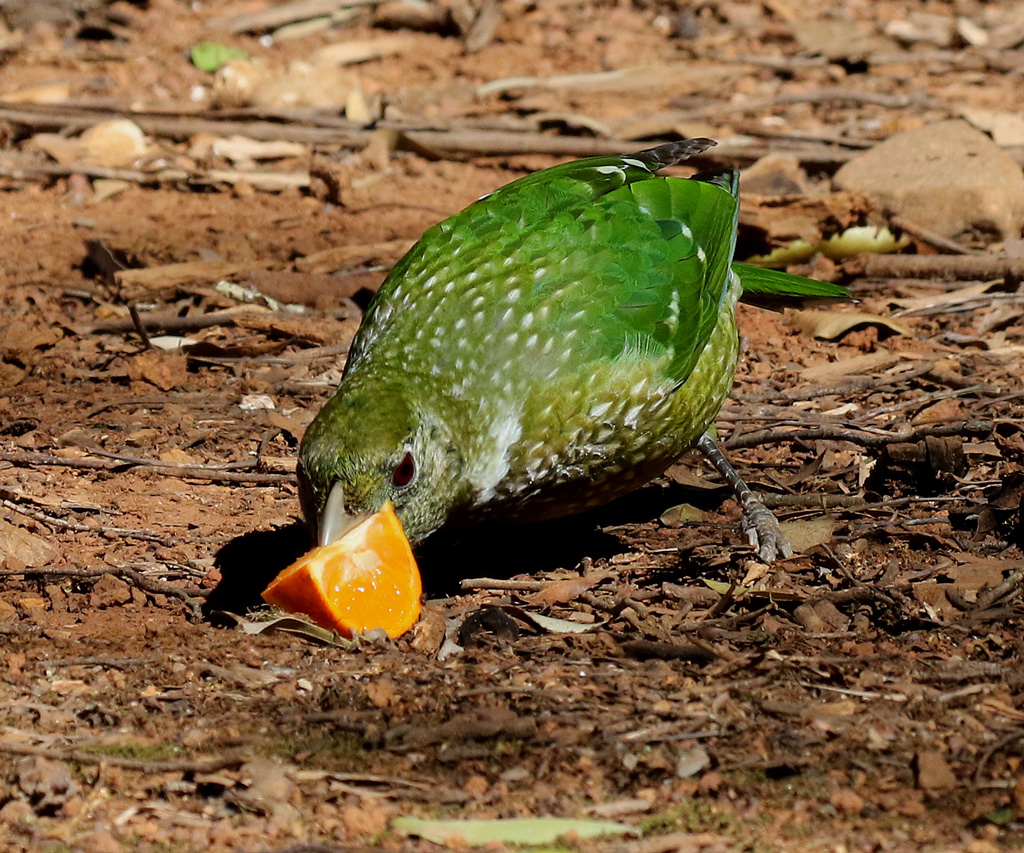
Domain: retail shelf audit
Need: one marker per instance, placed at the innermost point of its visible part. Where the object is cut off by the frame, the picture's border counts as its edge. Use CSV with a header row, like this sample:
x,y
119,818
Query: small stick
x,y
981,267
78,527
97,660
923,400
495,583
139,328
813,501
174,323
284,13
198,472
989,597
81,756
955,305
863,384
932,237
442,141
649,649
159,463
771,436
1000,744
137,578
260,180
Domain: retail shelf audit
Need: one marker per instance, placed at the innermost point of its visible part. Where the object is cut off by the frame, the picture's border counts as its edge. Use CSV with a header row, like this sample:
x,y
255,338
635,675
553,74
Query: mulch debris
x,y
197,205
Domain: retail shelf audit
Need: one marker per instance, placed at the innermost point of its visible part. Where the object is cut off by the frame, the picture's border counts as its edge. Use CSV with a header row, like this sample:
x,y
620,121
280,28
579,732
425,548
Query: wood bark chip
x,y
962,268
647,650
283,13
910,605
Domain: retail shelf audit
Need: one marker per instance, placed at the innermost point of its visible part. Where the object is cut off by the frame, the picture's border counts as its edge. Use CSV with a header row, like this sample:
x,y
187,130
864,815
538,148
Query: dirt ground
x,y
635,665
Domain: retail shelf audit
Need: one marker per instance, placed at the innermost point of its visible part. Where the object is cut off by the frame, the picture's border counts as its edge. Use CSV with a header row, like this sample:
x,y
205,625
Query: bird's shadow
x,y
250,561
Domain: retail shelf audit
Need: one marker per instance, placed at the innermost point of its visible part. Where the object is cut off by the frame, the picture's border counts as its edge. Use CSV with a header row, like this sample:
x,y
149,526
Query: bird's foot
x,y
761,526
764,533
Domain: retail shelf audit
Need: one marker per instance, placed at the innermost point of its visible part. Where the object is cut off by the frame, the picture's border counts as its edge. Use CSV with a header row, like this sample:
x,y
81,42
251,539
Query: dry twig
x,y
979,267
124,572
102,529
82,756
198,472
973,428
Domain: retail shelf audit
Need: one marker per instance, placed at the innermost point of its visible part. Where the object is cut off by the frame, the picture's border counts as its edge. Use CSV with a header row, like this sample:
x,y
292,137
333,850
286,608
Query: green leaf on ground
x,y
530,831
209,56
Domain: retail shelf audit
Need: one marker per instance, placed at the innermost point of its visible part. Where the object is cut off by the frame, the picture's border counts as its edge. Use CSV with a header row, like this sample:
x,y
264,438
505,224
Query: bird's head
x,y
371,443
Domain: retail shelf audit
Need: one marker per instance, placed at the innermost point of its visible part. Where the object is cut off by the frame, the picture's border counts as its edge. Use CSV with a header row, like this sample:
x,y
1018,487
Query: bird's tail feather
x,y
758,281
673,153
726,179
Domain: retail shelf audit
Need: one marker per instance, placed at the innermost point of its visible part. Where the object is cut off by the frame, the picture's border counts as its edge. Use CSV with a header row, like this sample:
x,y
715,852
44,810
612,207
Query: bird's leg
x,y
762,527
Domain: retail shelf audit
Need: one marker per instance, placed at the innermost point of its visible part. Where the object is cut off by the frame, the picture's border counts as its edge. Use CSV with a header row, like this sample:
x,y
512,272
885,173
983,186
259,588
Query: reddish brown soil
x,y
865,695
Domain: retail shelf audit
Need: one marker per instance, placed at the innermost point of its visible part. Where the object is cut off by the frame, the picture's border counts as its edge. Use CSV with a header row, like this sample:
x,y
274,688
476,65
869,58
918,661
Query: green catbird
x,y
552,347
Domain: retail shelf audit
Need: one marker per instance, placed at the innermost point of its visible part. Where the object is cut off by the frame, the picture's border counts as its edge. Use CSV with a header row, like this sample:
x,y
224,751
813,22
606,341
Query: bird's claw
x,y
764,533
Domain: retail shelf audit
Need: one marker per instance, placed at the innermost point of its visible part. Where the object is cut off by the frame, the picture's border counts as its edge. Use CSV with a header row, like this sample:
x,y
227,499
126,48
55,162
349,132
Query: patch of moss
x,y
697,815
137,751
781,792
338,750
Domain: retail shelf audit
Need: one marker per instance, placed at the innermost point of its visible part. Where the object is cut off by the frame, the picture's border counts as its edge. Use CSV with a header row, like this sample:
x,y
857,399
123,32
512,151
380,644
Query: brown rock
x,y
47,783
268,783
101,842
382,692
947,176
110,591
934,772
366,819
15,812
810,621
164,370
476,785
73,807
18,545
847,801
710,782
774,175
114,143
427,634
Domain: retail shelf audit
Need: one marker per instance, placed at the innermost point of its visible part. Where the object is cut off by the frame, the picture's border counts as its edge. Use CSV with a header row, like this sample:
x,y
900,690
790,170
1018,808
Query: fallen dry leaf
x,y
829,325
805,535
560,592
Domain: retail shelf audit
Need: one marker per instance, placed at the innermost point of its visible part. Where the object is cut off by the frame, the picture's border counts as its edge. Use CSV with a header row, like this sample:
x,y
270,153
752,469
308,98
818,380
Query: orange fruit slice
x,y
366,579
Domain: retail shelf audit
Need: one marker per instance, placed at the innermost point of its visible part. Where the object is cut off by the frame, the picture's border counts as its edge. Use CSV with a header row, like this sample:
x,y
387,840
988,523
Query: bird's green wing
x,y
602,256
697,221
774,283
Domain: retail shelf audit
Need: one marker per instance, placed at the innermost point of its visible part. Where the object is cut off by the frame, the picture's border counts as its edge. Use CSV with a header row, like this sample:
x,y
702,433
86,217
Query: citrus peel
x,y
366,579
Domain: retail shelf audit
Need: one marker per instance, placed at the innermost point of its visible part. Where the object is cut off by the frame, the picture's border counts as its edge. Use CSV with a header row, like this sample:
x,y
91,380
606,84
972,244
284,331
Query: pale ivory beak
x,y
334,520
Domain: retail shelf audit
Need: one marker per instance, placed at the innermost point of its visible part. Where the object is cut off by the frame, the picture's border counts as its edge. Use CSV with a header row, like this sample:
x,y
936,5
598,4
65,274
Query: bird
x,y
557,344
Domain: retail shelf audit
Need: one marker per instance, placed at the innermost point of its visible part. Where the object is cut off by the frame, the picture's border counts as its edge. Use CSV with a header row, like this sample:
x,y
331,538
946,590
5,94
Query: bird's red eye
x,y
405,473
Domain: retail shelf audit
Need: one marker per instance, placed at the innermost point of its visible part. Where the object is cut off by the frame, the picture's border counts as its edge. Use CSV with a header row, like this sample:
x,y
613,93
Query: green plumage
x,y
551,347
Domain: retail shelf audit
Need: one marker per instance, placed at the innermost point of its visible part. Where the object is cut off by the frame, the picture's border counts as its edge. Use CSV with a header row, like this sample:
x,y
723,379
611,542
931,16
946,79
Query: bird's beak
x,y
334,520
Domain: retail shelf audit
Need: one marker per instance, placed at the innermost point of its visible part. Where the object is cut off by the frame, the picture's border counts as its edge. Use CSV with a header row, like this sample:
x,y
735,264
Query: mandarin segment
x,y
367,579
